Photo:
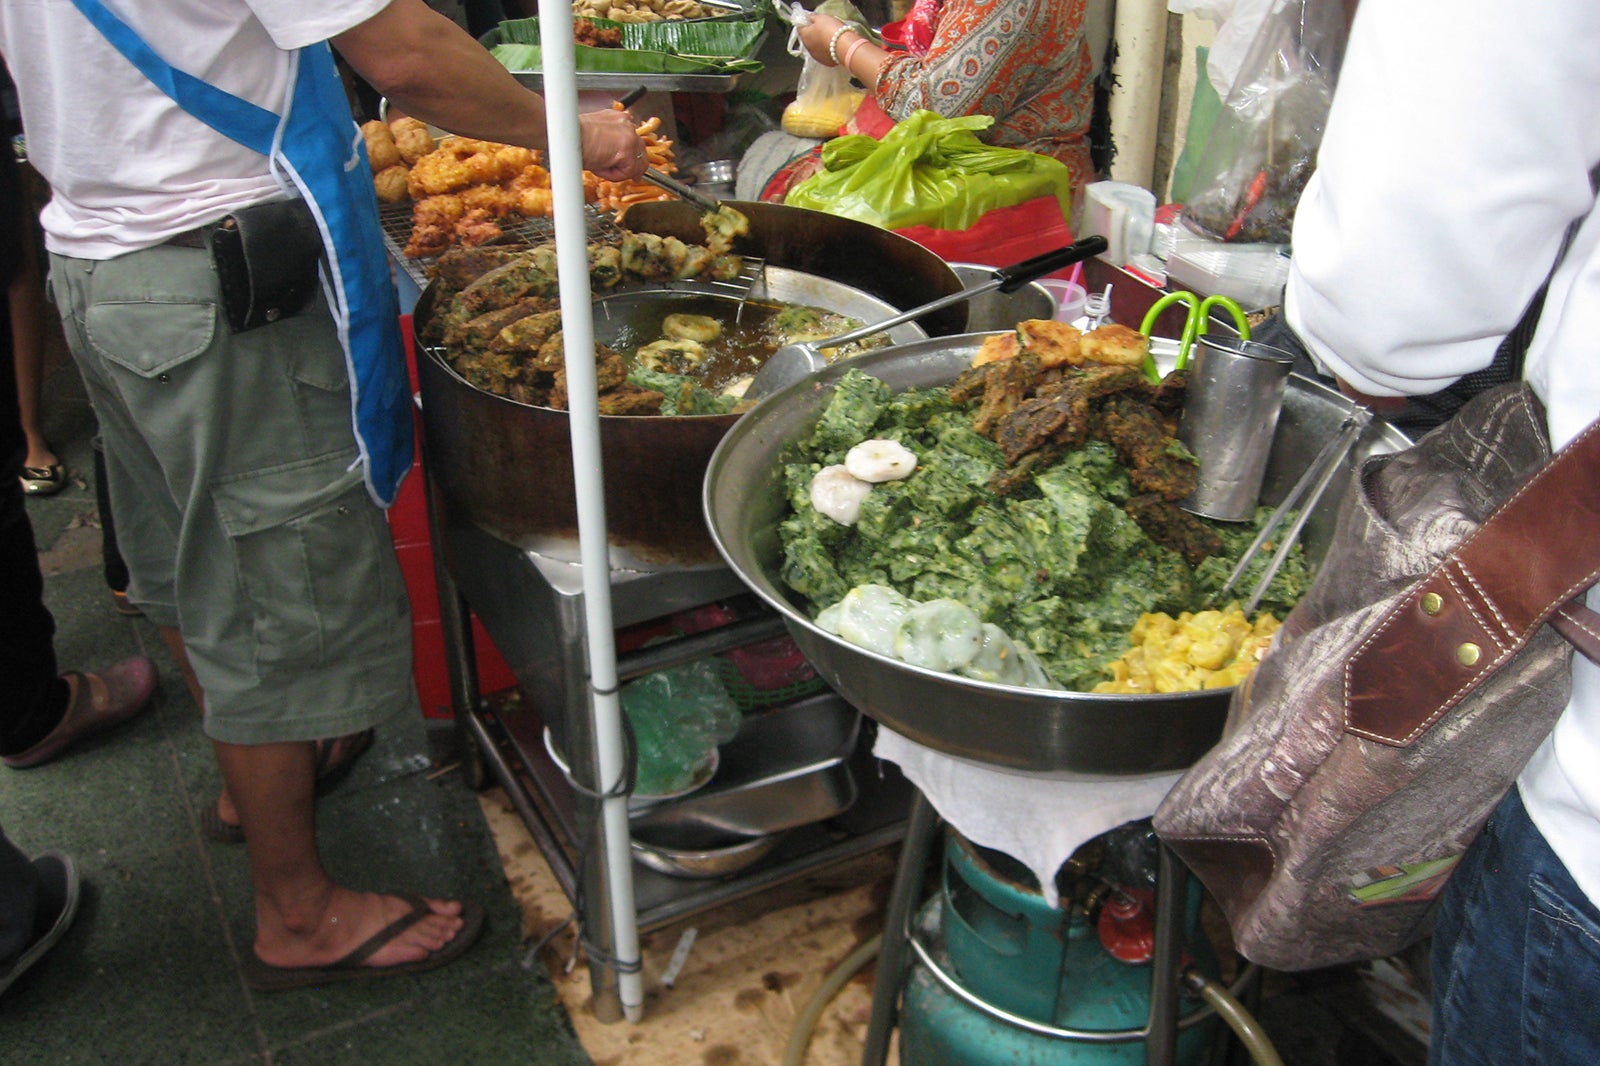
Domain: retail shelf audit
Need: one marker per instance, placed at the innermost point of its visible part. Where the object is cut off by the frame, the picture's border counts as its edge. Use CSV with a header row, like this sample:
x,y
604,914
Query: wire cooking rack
x,y
601,227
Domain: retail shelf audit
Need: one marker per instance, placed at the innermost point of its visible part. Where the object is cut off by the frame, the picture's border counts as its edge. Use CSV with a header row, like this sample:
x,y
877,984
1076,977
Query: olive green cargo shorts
x,y
238,503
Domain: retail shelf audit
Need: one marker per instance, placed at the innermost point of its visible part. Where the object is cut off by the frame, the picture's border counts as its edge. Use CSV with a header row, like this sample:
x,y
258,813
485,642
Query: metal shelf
x,y
532,608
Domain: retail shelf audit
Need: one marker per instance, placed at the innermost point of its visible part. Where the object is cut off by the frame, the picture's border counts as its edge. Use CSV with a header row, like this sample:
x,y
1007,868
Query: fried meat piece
x,y
1060,411
431,235
527,333
1168,396
482,331
460,267
1167,524
1014,479
477,227
630,399
1038,421
1052,343
1115,345
530,274
1005,386
1156,463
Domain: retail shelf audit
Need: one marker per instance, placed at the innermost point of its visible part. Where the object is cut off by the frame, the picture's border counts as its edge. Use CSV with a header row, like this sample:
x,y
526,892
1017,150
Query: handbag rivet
x,y
1467,654
1432,603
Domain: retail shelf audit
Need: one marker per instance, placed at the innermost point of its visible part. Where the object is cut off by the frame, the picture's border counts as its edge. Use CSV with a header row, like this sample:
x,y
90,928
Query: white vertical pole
x,y
577,325
1140,30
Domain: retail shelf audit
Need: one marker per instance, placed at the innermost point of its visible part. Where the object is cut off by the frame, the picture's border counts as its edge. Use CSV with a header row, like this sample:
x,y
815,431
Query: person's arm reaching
x,y
431,68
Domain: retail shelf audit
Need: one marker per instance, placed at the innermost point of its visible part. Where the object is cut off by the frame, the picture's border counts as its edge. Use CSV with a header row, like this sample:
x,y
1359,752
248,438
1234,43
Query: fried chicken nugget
x,y
412,138
391,185
382,152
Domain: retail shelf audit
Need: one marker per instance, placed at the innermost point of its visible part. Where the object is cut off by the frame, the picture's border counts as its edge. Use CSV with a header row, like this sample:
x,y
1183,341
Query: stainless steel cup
x,y
1229,417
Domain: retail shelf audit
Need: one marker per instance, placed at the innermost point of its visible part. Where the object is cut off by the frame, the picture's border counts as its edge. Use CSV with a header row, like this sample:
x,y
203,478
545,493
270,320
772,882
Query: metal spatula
x,y
794,361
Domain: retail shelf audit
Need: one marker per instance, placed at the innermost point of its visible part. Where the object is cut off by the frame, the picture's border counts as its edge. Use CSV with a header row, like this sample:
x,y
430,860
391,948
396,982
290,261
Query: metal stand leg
x,y
922,830
1172,878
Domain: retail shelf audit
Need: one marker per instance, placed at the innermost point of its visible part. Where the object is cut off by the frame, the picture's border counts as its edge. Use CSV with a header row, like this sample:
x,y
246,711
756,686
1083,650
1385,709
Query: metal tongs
x,y
1311,484
662,181
681,191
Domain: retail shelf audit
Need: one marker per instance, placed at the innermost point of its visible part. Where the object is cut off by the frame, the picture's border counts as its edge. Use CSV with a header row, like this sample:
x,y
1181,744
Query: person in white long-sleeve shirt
x,y
1458,156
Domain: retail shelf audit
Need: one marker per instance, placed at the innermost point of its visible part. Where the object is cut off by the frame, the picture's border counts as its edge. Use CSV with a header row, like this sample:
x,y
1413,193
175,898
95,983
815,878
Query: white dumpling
x,y
998,658
869,615
880,460
1005,661
942,634
838,493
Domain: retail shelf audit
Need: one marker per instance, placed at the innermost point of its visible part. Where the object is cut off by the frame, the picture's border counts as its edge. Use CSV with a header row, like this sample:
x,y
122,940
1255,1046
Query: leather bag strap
x,y
1529,563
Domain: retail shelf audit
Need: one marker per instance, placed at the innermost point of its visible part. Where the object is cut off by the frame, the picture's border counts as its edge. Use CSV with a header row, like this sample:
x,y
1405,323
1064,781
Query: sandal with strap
x,y
44,480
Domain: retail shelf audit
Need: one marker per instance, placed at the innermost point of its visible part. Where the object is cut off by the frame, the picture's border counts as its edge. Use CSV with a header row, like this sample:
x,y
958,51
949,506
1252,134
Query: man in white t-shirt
x,y
1459,153
236,477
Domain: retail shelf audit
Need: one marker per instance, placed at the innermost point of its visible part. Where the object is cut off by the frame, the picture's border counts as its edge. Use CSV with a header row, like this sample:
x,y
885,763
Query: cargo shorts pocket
x,y
150,338
316,567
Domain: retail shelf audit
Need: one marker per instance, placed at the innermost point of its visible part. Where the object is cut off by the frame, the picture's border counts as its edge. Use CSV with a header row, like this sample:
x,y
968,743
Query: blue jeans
x,y
1516,955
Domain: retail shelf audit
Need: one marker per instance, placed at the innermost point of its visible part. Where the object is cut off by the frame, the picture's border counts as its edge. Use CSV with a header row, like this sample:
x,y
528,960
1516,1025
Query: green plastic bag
x,y
928,171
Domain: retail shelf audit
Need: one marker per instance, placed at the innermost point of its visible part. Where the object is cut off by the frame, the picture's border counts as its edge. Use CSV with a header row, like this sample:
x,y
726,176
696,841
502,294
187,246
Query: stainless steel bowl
x,y
699,854
1063,734
1002,310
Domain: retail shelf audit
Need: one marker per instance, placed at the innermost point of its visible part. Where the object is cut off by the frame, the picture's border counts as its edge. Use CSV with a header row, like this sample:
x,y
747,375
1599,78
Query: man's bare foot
x,y
349,920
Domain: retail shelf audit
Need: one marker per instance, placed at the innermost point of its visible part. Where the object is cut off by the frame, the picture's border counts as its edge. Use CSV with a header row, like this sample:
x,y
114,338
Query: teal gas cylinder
x,y
999,940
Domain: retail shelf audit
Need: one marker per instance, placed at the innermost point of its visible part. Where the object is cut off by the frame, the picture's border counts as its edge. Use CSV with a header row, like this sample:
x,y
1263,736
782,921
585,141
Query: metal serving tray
x,y
785,768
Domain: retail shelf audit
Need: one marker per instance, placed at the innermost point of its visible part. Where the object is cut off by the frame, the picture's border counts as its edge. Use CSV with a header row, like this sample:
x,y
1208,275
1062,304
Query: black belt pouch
x,y
266,258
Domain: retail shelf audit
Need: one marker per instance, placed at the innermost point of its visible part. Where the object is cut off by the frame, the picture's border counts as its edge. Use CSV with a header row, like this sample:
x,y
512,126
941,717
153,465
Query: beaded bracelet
x,y
833,43
849,53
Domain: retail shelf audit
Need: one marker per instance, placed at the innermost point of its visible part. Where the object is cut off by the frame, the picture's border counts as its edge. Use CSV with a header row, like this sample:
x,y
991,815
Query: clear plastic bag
x,y
824,100
1263,145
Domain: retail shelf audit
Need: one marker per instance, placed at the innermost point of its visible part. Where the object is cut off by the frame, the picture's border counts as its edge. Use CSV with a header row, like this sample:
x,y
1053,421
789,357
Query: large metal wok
x,y
506,467
1063,734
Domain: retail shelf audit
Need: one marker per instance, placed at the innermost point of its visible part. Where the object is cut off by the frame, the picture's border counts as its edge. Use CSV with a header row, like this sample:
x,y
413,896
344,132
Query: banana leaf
x,y
726,37
528,57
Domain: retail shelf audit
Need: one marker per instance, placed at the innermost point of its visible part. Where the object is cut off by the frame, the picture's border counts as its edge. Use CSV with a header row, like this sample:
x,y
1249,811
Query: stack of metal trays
x,y
786,768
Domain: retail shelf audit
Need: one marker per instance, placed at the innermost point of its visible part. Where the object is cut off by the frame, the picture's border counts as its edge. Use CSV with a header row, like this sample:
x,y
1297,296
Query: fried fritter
x,y
1052,343
993,349
1115,345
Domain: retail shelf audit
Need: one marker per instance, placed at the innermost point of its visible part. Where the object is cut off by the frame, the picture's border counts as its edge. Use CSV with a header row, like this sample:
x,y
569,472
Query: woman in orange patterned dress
x,y
1026,63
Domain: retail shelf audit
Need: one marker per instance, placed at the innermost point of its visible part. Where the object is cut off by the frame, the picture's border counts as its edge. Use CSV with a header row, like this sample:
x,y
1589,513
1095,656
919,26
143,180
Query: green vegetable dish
x,y
1051,554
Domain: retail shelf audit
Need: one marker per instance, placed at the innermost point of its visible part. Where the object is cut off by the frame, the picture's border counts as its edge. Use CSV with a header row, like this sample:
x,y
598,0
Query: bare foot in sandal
x,y
359,935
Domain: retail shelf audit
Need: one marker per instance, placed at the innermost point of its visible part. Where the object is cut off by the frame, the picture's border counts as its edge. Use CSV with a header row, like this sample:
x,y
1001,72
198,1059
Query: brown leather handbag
x,y
1404,693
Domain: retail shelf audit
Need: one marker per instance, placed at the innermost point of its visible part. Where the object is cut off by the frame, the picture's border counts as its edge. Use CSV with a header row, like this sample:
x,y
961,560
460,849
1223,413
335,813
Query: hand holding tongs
x,y
660,180
1316,478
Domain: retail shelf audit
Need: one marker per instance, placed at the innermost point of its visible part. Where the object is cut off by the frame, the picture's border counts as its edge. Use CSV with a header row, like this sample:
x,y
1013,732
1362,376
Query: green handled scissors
x,y
1194,324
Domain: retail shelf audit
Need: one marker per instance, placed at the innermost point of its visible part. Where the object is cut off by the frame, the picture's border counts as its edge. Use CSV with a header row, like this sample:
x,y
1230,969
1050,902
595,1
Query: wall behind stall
x,y
1154,79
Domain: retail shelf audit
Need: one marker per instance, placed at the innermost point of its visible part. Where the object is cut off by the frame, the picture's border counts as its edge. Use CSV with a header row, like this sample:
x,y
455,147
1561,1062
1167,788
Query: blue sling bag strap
x,y
316,143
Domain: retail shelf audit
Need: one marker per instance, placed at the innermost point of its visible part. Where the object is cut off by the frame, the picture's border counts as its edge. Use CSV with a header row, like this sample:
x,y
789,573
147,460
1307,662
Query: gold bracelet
x,y
833,43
